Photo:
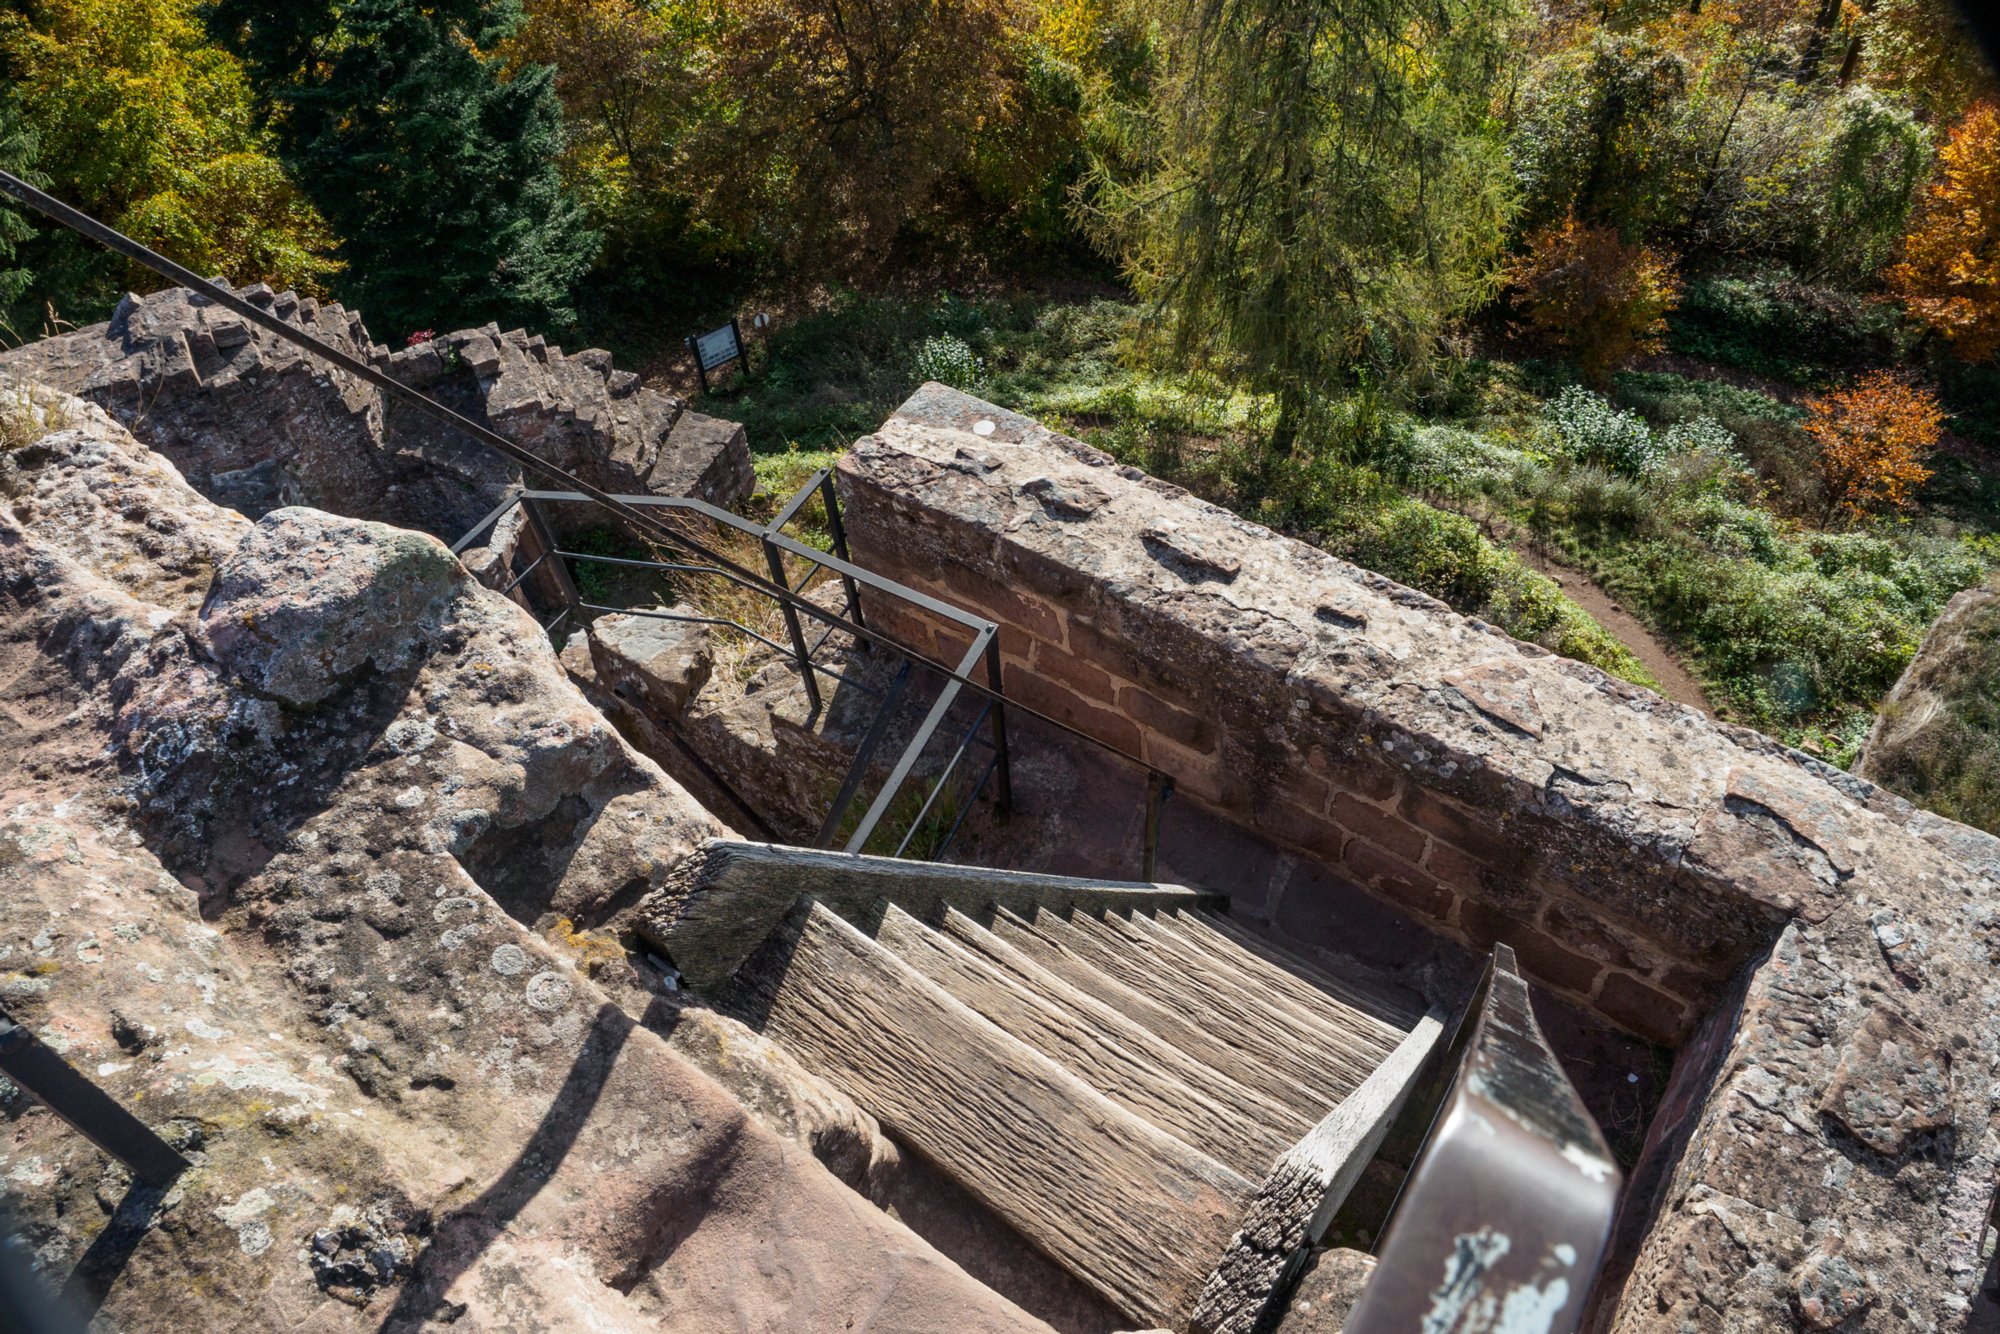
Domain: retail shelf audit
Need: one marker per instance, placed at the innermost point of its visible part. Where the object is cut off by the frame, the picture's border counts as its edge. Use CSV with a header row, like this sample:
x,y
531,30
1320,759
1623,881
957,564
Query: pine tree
x,y
1326,188
439,171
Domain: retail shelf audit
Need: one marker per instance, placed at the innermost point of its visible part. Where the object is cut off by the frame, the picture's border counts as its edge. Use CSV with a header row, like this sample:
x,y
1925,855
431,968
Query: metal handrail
x,y
1512,1199
631,510
983,649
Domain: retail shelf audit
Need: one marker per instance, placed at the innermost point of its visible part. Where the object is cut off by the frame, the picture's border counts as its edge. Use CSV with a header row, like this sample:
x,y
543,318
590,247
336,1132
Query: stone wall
x,y
1643,860
255,423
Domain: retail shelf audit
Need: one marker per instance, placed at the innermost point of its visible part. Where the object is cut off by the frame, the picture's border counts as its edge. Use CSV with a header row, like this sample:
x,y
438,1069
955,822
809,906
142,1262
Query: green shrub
x,y
1773,324
949,359
1588,428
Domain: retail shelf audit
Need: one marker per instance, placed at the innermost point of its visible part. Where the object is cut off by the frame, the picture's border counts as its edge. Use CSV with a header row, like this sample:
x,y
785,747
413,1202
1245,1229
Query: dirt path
x,y
1676,682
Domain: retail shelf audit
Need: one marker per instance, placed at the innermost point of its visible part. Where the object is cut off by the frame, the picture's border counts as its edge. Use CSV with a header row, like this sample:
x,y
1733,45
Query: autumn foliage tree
x,y
1873,439
1590,293
1950,274
136,117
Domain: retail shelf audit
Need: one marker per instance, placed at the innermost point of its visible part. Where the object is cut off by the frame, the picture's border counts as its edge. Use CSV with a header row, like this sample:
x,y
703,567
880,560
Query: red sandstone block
x,y
1091,682
1453,867
1690,984
1379,827
1156,715
1542,959
1653,1015
1114,655
1462,829
1588,934
1197,775
1352,768
997,602
1309,831
1396,879
1060,703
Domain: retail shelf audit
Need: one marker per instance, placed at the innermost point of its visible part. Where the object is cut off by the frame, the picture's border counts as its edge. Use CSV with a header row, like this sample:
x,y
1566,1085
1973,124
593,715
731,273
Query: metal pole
x,y
552,561
1158,788
88,1109
86,225
700,370
1004,769
839,532
799,654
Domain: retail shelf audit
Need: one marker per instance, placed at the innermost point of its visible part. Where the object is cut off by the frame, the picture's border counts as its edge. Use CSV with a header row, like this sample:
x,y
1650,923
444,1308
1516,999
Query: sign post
x,y
715,349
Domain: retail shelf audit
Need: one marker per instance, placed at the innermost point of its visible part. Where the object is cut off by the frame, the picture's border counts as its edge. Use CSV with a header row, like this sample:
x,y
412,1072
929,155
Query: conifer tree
x,y
1326,188
438,169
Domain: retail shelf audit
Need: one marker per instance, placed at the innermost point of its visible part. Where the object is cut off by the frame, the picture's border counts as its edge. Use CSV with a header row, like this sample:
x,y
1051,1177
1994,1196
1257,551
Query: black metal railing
x,y
636,514
540,560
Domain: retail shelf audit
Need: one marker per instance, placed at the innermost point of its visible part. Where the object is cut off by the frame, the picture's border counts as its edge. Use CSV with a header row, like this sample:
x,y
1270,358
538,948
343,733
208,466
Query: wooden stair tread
x,y
1322,1070
1216,959
1244,1063
1363,989
1133,1076
1125,1206
1246,1105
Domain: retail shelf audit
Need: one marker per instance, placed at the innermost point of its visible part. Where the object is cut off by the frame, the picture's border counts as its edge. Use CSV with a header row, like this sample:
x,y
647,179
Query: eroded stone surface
x,y
257,423
279,896
1832,1135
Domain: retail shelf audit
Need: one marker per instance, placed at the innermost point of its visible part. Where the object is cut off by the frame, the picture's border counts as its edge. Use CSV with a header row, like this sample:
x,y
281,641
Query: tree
x,y
1585,290
1950,274
1873,439
439,171
1325,190
138,119
850,120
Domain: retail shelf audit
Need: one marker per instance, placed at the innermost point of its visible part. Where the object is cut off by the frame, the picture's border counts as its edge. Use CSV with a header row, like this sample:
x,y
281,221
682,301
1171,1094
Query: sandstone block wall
x,y
256,423
1840,946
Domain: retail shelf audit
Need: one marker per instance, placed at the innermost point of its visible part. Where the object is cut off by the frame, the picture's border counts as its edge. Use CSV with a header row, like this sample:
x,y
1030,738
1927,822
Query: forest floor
x,y
1716,581
1677,683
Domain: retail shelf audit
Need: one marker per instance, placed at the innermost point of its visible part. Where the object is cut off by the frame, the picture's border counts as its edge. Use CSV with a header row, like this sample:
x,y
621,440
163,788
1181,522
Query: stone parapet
x,y
254,422
1656,866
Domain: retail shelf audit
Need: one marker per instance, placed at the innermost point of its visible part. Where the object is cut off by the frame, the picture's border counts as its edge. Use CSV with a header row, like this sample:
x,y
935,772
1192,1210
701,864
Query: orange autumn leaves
x,y
1587,291
1873,439
1950,274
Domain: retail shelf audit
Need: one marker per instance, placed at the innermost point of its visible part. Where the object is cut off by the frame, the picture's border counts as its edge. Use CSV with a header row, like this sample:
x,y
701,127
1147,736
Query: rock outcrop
x,y
1825,956
256,423
1937,739
282,806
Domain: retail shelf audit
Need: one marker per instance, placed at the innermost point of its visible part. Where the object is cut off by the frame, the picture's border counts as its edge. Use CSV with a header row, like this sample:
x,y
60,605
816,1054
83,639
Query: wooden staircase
x,y
1165,1107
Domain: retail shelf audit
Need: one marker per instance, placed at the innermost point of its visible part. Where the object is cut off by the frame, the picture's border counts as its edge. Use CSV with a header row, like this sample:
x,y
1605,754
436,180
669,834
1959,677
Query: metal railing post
x,y
87,1109
1003,768
799,654
551,559
1158,788
831,497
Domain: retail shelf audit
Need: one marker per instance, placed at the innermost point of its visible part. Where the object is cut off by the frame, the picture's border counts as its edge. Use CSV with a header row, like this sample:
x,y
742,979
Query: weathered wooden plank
x,y
1304,1191
1130,1075
1206,962
1127,1208
718,905
1325,1071
1297,977
1220,1050
1244,1104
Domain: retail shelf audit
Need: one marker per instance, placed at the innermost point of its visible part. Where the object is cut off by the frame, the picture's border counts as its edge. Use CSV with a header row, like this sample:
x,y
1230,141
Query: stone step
x,y
1331,1061
1149,1079
1055,946
1128,1208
